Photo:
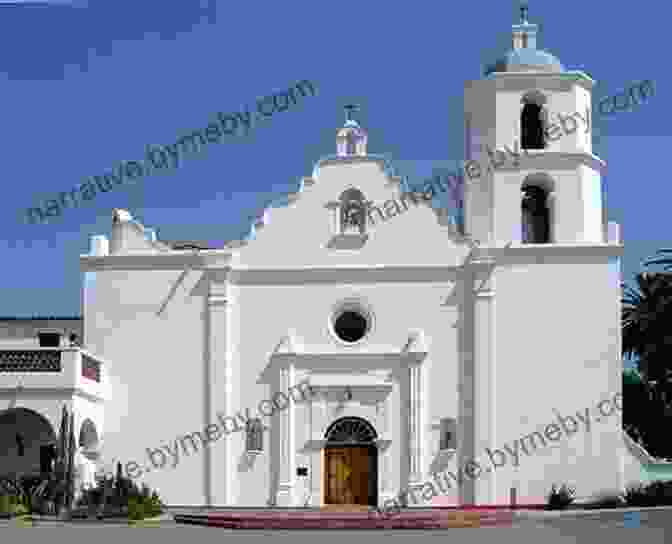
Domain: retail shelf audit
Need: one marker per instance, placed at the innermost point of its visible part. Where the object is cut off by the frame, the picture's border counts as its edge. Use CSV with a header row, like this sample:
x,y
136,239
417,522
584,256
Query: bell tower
x,y
531,176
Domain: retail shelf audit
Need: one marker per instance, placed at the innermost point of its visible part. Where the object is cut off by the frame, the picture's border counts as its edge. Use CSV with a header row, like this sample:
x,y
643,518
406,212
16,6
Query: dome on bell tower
x,y
351,138
525,57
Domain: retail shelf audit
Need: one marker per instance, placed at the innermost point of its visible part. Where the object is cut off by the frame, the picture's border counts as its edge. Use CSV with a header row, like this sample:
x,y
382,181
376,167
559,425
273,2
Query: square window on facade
x,y
49,339
448,439
254,441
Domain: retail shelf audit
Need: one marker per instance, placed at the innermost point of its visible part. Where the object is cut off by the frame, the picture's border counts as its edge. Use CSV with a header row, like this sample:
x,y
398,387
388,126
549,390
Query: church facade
x,y
421,351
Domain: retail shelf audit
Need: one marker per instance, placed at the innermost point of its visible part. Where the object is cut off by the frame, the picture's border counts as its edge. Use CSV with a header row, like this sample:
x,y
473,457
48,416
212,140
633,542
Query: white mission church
x,y
420,351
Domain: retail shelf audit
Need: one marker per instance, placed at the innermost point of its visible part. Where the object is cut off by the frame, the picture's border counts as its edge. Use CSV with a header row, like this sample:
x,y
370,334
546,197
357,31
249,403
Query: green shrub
x,y
153,506
5,504
20,510
636,495
11,504
560,498
658,493
136,508
607,500
39,494
145,506
120,494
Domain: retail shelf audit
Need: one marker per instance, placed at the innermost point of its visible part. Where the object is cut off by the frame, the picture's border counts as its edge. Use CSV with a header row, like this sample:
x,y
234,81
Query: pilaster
x,y
284,426
220,389
415,426
477,426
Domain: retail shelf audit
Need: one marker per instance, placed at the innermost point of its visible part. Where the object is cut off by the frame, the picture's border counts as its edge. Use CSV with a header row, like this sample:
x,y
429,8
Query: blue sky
x,y
89,83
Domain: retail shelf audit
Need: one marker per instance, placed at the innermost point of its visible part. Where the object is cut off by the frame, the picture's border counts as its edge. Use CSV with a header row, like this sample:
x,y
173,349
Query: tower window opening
x,y
532,127
535,216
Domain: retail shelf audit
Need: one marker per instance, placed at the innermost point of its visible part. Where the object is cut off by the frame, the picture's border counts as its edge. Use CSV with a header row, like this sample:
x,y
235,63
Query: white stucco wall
x,y
558,352
156,370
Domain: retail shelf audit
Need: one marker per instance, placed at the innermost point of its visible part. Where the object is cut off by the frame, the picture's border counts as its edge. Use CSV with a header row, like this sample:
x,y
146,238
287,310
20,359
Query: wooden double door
x,y
351,475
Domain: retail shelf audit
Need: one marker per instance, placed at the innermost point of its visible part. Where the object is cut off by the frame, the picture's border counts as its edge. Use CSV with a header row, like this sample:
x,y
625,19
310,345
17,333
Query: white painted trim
x,y
341,362
544,159
327,275
175,260
59,392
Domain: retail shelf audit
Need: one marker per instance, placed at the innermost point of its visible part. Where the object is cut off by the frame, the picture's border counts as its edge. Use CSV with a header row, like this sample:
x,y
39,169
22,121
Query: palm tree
x,y
646,313
664,258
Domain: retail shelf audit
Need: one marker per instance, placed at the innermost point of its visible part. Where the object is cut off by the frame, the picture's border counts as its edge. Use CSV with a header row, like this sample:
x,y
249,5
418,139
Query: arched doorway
x,y
27,443
351,463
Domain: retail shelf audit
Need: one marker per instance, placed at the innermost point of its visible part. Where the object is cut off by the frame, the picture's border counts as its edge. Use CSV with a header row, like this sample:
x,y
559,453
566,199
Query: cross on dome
x,y
523,13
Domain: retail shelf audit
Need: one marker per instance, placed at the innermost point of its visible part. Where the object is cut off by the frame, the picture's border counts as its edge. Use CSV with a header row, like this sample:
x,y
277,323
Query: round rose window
x,y
351,326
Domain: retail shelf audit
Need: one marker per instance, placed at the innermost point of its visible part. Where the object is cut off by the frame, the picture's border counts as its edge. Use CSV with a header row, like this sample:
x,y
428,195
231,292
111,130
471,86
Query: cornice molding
x,y
60,392
339,362
358,274
175,260
545,80
540,253
532,159
331,275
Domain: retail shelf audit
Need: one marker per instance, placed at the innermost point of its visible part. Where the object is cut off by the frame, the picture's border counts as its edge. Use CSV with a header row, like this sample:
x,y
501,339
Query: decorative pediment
x,y
289,344
290,351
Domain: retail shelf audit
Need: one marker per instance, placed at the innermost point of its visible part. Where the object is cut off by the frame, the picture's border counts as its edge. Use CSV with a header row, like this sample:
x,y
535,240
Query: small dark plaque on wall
x,y
302,471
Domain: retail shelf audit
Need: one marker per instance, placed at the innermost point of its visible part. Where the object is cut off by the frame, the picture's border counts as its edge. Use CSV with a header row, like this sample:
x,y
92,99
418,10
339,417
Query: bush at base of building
x,y
36,494
656,493
11,505
560,498
120,496
144,507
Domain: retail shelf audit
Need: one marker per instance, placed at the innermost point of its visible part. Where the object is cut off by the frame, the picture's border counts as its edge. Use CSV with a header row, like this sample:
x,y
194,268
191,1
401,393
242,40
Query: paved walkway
x,y
627,517
651,529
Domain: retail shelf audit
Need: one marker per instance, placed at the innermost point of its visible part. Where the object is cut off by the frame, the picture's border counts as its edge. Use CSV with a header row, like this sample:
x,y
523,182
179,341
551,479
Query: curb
x,y
30,521
546,514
